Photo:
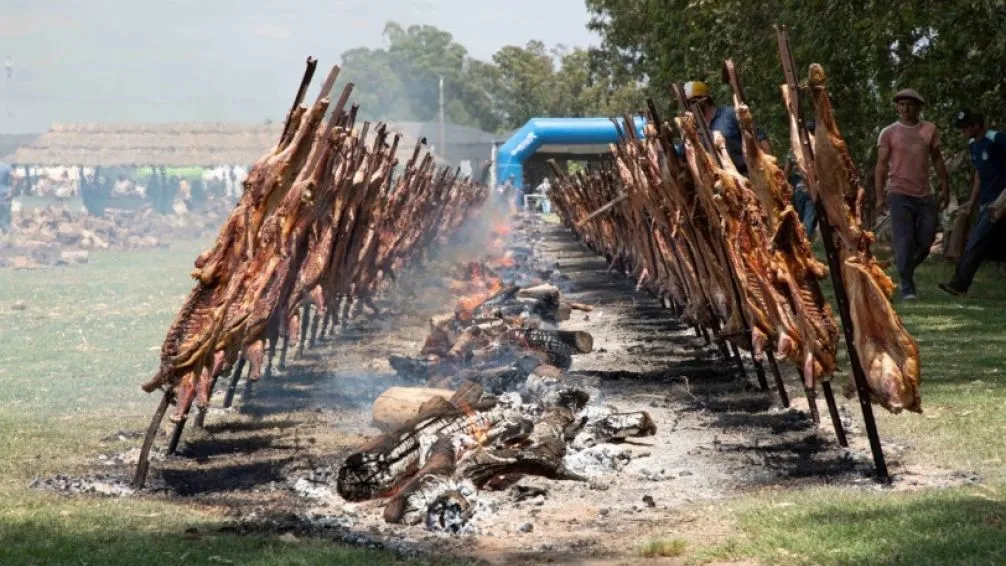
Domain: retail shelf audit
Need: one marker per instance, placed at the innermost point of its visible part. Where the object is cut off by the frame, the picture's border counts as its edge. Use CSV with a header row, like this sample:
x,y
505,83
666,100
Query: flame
x,y
476,283
505,262
479,432
502,227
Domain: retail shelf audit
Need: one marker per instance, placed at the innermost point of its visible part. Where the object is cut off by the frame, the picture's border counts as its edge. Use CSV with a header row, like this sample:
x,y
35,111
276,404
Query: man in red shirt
x,y
906,150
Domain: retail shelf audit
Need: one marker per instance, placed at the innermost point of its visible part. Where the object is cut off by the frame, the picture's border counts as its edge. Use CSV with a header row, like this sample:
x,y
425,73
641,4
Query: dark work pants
x,y
988,242
804,206
913,231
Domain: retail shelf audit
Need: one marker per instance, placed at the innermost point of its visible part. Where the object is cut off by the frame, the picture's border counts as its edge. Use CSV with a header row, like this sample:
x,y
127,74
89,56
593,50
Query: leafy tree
x,y
378,90
401,81
526,75
869,49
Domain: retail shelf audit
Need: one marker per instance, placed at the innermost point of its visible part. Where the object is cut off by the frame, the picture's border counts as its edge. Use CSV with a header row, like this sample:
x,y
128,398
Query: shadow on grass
x,y
228,478
38,543
250,426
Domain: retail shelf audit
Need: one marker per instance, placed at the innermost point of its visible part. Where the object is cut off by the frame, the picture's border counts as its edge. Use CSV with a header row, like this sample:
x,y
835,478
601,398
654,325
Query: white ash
x,y
317,490
597,460
128,458
97,485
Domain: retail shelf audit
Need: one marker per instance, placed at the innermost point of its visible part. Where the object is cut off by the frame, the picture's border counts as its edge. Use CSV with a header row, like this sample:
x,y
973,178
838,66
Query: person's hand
x,y
881,207
995,214
943,201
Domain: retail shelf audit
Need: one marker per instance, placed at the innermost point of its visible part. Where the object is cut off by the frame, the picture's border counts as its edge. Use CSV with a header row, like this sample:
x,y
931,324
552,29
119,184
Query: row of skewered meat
x,y
730,250
324,216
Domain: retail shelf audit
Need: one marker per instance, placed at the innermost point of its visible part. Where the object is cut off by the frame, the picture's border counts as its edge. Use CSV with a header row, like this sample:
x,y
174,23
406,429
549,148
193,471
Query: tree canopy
x,y
949,51
401,81
870,49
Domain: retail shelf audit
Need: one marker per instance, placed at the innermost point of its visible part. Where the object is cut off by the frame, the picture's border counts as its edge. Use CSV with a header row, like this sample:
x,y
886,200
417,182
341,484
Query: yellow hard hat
x,y
696,89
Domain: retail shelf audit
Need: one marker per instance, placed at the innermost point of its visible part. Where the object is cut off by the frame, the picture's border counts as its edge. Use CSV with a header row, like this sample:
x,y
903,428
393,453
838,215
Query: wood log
x,y
580,340
465,343
579,306
543,292
564,312
440,462
398,405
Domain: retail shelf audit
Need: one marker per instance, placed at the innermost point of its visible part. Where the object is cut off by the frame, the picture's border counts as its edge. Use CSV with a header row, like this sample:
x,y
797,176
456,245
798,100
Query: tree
x,y
869,49
401,81
378,89
526,75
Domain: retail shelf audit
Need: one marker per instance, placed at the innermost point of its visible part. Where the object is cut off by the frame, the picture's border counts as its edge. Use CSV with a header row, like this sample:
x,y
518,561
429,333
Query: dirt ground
x,y
267,462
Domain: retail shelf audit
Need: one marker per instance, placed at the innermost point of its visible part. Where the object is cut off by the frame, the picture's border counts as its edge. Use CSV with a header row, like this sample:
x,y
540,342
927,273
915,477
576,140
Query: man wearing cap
x,y
906,150
722,119
988,154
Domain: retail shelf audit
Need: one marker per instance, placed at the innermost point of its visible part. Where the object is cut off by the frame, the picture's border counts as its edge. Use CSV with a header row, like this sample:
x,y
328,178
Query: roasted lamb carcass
x,y
727,196
795,270
887,352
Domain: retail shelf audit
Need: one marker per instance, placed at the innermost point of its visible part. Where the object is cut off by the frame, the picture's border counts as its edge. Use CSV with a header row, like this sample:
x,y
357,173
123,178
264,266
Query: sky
x,y
223,60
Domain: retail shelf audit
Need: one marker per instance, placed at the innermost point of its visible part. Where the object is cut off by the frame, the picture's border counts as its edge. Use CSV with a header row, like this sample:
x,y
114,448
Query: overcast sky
x,y
226,60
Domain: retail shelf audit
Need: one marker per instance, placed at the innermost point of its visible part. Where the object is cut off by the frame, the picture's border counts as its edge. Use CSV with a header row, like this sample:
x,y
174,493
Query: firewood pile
x,y
324,218
500,402
55,235
729,251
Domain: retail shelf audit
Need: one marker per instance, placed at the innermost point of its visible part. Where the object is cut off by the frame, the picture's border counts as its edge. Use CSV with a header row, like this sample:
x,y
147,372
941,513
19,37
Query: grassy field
x,y
962,428
74,346
76,343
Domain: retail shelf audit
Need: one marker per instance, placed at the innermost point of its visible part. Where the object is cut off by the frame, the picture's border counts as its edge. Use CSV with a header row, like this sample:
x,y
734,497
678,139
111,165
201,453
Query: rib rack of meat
x,y
887,352
811,340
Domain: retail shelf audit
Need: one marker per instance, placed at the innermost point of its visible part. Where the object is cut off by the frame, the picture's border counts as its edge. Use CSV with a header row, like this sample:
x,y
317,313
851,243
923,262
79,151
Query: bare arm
x,y
765,146
788,168
880,174
942,175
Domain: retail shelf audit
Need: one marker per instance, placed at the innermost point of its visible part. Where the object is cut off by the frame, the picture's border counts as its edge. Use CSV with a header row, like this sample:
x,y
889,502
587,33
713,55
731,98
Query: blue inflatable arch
x,y
539,133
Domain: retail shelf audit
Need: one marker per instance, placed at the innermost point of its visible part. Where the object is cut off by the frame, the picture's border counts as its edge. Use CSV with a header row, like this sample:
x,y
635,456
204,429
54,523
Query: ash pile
x,y
499,401
55,235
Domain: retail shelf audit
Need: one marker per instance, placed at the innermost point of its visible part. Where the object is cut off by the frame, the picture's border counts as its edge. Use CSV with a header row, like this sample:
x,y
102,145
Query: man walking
x,y
988,154
906,150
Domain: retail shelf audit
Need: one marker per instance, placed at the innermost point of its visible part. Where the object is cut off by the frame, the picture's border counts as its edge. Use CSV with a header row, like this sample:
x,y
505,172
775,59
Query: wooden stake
x,y
835,266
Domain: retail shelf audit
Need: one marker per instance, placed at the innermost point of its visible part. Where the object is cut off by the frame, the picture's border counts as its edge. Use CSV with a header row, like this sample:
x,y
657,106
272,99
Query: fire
x,y
505,262
502,227
475,283
479,431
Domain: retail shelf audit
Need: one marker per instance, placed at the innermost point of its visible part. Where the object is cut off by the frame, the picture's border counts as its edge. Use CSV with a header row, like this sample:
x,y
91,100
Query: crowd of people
x,y
98,187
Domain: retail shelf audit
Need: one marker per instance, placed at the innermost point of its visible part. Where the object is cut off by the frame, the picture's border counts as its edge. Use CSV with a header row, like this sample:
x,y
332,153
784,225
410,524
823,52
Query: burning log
x,y
398,405
516,411
540,454
393,458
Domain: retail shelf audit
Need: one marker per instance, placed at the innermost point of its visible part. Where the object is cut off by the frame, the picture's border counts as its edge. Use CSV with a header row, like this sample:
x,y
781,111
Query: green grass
x,y
962,346
663,548
838,526
71,363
